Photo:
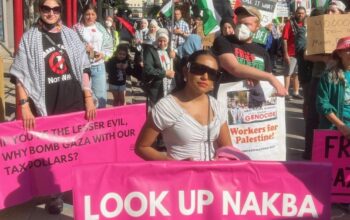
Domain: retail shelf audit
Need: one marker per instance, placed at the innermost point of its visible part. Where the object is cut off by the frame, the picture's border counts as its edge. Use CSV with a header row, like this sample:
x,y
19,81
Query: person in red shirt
x,y
290,61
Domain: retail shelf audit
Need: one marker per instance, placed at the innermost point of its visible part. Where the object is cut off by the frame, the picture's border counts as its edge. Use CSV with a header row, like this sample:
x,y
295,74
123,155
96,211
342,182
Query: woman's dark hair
x,y
89,6
41,2
301,8
193,57
182,64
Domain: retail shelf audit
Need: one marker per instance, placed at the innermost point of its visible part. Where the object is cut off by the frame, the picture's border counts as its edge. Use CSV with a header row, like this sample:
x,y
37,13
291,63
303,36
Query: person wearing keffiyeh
x,y
52,71
51,68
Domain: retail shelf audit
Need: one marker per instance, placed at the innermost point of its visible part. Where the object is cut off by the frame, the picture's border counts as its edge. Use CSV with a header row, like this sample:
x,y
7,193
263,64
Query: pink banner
x,y
40,162
202,190
332,146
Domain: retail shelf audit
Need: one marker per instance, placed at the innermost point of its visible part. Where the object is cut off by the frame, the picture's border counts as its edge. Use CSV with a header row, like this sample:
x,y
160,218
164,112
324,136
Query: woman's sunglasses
x,y
200,69
46,9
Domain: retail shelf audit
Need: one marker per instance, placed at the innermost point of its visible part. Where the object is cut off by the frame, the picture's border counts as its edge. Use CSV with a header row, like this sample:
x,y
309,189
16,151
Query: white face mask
x,y
109,24
242,32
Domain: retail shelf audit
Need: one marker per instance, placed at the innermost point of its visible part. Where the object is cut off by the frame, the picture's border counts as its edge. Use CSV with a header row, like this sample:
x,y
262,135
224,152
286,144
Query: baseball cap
x,y
248,10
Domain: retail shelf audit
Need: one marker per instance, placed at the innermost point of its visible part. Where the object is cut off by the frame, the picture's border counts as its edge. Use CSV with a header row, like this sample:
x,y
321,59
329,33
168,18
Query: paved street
x,y
295,146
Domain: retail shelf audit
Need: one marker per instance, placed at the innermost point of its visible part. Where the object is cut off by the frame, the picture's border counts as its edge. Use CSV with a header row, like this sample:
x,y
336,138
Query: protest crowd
x,y
183,63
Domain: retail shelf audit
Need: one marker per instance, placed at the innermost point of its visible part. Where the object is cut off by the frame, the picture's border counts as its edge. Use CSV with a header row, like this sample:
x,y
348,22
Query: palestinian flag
x,y
213,11
322,3
166,10
210,22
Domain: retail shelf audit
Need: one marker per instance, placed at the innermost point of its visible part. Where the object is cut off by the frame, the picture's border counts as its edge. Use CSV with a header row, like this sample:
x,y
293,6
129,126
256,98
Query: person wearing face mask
x,y
109,24
239,57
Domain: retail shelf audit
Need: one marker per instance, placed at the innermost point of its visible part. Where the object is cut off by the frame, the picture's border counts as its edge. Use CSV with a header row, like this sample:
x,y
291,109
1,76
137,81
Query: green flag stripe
x,y
209,19
167,9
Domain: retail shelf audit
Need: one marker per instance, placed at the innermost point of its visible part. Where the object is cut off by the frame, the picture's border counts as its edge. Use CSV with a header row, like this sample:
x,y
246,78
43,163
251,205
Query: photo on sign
x,y
241,104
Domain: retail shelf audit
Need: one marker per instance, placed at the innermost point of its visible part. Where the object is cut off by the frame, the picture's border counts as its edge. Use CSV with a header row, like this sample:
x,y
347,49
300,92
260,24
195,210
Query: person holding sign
x,y
192,123
53,72
240,58
52,68
333,95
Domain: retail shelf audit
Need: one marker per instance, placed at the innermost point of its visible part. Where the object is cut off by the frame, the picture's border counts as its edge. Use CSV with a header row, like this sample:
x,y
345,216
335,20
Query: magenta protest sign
x,y
202,190
40,162
332,146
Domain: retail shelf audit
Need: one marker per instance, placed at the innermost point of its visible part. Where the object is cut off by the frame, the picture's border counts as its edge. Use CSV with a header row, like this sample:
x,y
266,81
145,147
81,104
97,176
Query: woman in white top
x,y
99,44
188,118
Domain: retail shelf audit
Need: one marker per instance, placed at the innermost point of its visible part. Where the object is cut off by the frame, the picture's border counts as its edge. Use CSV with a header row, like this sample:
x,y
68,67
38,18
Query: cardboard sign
x,y
256,119
323,32
331,146
202,190
40,162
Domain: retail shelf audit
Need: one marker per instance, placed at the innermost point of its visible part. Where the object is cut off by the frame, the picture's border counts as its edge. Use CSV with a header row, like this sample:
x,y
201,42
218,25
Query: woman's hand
x,y
170,74
99,56
172,54
280,89
27,117
90,108
345,130
89,48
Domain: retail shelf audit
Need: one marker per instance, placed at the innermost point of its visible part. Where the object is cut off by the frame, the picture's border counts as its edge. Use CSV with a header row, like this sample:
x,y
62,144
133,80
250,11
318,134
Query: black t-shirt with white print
x,y
63,91
249,54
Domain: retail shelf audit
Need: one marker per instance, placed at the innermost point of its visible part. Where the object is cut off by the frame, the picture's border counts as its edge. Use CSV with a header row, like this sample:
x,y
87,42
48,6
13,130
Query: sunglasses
x,y
200,69
46,9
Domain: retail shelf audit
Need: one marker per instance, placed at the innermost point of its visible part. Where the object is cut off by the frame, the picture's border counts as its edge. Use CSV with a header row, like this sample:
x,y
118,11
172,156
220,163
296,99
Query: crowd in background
x,y
60,70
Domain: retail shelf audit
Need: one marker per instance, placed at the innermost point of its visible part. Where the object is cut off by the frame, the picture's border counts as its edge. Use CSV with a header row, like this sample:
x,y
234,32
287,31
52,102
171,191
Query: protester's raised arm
x,y
325,58
229,62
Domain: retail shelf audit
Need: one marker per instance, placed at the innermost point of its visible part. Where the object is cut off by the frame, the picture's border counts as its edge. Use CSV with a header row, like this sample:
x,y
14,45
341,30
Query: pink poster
x,y
40,162
202,190
331,146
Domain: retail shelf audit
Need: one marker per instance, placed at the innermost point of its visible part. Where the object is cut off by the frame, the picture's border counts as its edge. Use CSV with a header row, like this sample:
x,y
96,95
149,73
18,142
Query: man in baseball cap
x,y
248,11
240,58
